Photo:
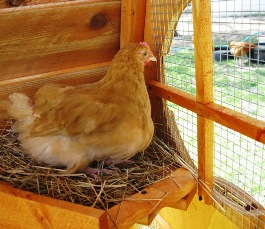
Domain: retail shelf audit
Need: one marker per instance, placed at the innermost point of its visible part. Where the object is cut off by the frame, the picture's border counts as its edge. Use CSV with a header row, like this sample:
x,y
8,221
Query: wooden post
x,y
204,80
132,21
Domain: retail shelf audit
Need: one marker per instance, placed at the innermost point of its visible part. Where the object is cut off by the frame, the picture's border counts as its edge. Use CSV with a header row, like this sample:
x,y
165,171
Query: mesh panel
x,y
239,81
239,84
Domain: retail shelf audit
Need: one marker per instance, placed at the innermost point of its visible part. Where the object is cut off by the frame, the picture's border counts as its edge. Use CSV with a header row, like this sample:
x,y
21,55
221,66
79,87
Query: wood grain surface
x,y
45,38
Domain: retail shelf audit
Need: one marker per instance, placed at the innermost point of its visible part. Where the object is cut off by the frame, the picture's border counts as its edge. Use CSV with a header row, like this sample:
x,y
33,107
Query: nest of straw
x,y
102,192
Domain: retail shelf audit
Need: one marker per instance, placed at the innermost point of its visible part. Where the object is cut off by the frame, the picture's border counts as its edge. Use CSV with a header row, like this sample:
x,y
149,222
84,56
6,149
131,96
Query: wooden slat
x,y
132,21
6,3
234,120
181,204
201,11
45,38
153,198
20,209
126,22
205,139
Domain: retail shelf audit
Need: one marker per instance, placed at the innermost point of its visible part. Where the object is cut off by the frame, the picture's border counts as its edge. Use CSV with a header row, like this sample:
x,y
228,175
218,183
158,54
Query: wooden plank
x,y
126,22
181,204
153,198
201,11
184,203
234,120
132,21
21,3
203,50
30,84
45,38
24,209
19,207
205,139
138,22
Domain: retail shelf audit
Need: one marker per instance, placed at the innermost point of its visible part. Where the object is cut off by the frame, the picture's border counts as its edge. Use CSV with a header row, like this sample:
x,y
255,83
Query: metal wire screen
x,y
240,160
239,80
239,84
187,123
179,68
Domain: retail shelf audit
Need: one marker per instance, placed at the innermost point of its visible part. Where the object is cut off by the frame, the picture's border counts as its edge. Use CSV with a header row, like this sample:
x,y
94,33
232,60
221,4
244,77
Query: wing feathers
x,y
75,115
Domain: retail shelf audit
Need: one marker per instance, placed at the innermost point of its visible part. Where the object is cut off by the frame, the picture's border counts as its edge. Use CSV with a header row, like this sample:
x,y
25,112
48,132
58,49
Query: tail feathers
x,y
20,106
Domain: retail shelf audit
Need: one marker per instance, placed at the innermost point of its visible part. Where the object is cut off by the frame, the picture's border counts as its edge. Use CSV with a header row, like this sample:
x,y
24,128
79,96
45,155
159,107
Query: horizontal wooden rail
x,y
234,120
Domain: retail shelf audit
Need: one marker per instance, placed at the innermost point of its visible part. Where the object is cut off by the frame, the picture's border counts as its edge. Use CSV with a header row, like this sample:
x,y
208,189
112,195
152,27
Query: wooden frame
x,y
202,104
23,208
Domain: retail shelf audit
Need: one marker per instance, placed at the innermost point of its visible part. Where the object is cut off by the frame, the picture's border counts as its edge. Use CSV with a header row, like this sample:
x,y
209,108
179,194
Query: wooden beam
x,y
132,21
201,11
244,124
205,141
8,3
152,199
20,208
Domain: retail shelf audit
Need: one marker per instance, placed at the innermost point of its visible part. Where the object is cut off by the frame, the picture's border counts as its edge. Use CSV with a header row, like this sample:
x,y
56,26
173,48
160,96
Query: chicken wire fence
x,y
239,84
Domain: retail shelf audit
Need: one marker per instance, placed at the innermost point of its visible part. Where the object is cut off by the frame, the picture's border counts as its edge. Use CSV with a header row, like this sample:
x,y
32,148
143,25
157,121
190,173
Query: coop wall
x,y
69,42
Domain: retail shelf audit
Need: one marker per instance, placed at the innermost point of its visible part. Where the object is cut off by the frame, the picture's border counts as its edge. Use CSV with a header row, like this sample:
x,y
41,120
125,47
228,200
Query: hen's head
x,y
135,53
145,54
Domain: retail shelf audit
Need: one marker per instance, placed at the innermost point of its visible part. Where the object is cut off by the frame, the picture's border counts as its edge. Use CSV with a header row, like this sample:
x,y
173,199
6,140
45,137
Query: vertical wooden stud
x,y
132,21
204,86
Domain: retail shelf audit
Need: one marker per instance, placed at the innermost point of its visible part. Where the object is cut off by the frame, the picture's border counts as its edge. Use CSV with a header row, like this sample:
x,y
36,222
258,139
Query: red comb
x,y
144,44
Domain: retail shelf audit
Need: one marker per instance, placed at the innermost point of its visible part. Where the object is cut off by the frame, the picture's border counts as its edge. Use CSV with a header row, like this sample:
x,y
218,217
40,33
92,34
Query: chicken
x,y
239,48
109,120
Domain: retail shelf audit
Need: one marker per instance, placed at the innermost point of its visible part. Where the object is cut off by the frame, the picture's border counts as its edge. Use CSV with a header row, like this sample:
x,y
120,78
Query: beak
x,y
152,58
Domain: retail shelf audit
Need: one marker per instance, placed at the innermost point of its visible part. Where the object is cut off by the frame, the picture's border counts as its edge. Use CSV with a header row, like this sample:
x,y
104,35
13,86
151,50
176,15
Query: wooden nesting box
x,y
73,42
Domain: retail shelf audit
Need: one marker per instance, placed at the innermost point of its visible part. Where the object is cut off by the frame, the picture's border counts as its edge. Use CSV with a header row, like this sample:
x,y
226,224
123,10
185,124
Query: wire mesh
x,y
240,160
240,163
239,78
239,84
187,124
176,49
179,70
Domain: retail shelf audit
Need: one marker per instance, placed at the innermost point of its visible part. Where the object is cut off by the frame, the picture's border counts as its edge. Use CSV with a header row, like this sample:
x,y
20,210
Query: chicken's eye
x,y
145,53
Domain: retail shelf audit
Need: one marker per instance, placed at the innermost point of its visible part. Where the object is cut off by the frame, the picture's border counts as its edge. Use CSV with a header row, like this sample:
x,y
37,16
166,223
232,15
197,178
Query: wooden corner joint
x,y
144,206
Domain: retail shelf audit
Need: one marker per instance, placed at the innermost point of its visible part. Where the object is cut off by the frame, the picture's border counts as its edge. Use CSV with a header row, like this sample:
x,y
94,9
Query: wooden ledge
x,y
24,208
212,111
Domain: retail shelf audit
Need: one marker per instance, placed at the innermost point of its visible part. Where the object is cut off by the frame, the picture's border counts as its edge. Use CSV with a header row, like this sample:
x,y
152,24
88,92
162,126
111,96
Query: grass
x,y
238,159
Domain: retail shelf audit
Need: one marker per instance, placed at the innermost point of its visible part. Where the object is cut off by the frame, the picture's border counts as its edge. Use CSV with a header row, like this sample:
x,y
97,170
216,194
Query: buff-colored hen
x,y
75,125
239,48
